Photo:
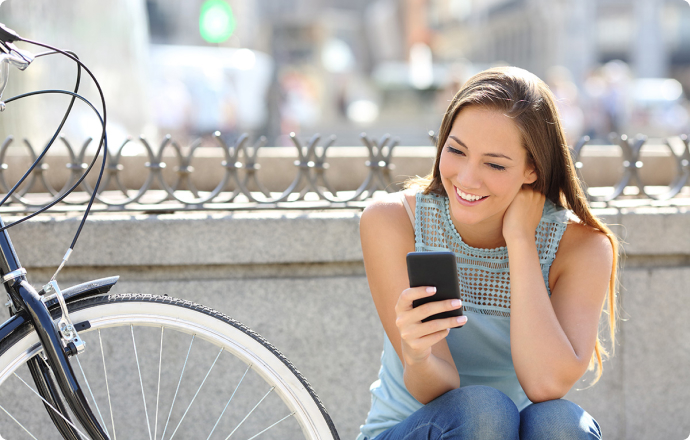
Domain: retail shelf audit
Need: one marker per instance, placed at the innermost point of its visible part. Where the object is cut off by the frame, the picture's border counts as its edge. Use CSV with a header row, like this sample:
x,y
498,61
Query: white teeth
x,y
468,197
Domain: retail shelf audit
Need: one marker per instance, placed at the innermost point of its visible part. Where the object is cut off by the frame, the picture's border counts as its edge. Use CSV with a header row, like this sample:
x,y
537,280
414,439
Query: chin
x,y
466,216
473,215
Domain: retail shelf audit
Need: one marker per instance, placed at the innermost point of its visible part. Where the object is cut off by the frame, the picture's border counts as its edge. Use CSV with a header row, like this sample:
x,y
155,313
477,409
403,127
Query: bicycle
x,y
211,376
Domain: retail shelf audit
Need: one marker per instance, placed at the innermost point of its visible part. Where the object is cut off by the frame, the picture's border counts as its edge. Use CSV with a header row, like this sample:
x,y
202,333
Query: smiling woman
x,y
483,166
504,197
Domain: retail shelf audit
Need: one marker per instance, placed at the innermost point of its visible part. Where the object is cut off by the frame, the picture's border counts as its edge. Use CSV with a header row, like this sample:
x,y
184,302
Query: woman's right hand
x,y
418,337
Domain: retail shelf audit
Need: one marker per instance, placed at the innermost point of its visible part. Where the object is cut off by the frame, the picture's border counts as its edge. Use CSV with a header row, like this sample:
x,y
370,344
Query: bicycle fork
x,y
26,298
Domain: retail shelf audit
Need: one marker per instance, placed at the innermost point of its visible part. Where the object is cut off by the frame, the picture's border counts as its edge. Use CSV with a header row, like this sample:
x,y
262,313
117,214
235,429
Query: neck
x,y
485,235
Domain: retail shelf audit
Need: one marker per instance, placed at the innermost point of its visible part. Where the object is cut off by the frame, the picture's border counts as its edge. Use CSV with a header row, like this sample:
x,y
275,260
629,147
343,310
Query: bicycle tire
x,y
250,366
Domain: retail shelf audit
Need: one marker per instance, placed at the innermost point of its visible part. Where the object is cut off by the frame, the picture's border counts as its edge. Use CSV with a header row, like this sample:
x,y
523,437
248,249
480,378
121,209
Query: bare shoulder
x,y
583,249
386,235
586,241
389,213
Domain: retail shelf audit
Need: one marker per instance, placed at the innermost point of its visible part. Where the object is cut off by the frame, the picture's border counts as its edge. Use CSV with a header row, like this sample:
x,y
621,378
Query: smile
x,y
468,197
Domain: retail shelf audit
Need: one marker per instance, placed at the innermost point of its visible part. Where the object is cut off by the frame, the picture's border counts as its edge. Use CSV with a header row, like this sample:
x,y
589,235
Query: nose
x,y
469,177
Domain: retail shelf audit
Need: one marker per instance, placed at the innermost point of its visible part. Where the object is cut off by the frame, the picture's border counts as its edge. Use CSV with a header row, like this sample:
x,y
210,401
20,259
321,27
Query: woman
x,y
535,269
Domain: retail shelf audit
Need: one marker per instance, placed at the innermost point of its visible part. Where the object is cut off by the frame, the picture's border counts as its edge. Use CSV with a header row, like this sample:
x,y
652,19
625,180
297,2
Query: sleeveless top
x,y
480,348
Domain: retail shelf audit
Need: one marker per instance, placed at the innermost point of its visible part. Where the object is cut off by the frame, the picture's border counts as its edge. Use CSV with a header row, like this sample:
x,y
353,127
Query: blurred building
x,y
566,42
653,36
341,66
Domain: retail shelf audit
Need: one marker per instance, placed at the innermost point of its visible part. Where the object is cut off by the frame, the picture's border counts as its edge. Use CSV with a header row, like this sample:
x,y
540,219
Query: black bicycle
x,y
79,363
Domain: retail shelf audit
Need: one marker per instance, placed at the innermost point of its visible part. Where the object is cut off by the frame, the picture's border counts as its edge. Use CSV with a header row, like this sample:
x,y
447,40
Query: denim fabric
x,y
484,413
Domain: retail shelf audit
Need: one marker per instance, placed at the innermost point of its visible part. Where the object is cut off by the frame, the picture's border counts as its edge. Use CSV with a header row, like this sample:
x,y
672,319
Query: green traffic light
x,y
216,21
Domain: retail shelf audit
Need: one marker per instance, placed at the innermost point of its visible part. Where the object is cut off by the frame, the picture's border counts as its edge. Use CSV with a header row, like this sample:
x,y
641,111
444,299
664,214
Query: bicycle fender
x,y
83,290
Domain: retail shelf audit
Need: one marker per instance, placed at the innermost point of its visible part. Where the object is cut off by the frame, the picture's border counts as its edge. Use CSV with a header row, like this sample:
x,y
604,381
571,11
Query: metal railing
x,y
242,188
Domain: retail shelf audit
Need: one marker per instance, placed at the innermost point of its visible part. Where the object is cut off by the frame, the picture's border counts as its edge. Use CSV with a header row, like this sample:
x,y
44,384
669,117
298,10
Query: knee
x,y
482,412
557,419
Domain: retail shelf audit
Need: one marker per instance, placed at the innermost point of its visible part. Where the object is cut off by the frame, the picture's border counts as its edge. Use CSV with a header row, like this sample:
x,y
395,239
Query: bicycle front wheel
x,y
163,368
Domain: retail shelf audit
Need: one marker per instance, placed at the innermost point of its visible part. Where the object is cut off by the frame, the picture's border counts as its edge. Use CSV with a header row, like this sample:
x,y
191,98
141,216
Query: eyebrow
x,y
485,154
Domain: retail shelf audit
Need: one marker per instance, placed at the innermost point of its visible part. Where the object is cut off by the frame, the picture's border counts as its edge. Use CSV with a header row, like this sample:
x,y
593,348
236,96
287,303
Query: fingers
x,y
418,331
418,337
406,299
425,342
409,319
409,295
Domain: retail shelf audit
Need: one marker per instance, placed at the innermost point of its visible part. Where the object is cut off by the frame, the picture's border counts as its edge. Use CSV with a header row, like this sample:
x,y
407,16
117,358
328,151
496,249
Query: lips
x,y
467,197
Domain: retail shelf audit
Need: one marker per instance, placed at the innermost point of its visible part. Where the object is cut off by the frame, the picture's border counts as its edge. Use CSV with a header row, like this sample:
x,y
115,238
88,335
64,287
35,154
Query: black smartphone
x,y
438,269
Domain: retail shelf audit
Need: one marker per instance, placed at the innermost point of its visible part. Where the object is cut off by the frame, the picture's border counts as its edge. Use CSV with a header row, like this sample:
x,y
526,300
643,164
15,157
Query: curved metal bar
x,y
231,165
302,164
251,167
633,163
117,168
682,172
40,174
379,163
18,195
575,153
630,162
3,166
73,164
184,171
242,174
77,168
319,181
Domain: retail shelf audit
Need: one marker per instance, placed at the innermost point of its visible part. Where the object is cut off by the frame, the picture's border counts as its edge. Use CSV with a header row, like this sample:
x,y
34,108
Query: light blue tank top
x,y
481,348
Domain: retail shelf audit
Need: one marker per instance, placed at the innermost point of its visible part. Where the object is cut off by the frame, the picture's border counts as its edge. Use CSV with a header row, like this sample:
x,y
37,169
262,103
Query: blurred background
x,y
271,67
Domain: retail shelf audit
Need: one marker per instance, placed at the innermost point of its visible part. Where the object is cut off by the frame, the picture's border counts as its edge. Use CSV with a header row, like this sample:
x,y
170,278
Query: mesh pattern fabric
x,y
483,274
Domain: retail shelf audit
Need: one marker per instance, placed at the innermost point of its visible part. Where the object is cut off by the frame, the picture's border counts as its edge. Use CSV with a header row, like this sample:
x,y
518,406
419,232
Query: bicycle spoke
x,y
88,386
178,386
250,413
229,400
18,423
158,392
197,392
256,435
107,386
51,406
141,382
266,401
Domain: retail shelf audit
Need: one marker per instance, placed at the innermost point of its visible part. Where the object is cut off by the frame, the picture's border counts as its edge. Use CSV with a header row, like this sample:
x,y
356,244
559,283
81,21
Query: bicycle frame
x,y
26,304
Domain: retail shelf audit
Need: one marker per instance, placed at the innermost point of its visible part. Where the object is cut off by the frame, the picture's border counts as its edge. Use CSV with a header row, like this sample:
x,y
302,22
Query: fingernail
x,y
455,303
430,290
461,319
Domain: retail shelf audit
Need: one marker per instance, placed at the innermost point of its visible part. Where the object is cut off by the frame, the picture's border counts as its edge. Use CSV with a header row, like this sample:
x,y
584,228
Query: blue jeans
x,y
484,413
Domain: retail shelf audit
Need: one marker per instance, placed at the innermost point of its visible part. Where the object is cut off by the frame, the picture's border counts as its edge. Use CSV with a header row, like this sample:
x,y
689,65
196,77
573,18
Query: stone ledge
x,y
652,231
269,237
192,239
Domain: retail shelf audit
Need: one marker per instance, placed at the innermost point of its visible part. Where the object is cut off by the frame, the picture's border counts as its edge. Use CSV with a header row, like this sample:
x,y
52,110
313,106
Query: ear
x,y
530,176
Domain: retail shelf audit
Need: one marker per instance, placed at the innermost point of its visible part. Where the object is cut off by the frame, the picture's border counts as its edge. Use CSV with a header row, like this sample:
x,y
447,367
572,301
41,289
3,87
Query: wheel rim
x,y
213,332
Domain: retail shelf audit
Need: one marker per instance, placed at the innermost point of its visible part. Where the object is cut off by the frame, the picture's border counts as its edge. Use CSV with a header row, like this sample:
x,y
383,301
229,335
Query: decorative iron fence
x,y
241,187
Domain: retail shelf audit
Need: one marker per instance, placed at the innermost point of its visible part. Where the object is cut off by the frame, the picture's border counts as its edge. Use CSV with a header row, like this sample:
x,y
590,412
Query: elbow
x,y
544,391
543,385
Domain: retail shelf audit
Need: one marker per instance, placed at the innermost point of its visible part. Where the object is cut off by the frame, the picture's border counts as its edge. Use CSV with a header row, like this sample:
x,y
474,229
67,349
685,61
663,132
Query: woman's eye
x,y
497,167
454,150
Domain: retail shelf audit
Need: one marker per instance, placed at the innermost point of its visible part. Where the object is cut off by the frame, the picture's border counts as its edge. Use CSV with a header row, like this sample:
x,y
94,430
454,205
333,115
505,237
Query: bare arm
x,y
387,236
552,339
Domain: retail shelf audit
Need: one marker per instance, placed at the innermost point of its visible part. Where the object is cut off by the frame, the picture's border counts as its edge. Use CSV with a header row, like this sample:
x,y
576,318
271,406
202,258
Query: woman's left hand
x,y
523,215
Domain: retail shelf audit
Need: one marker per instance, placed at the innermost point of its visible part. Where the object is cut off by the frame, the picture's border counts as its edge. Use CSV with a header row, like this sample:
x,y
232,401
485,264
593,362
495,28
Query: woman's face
x,y
483,166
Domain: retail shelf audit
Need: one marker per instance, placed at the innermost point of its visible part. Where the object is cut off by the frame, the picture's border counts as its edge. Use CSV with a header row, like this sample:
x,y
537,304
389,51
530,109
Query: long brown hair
x,y
527,100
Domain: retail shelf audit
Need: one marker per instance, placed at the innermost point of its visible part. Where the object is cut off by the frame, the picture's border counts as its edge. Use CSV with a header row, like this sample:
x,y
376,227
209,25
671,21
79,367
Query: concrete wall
x,y
297,278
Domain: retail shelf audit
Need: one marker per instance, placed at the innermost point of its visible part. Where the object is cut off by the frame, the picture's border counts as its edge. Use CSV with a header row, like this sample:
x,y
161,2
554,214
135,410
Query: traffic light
x,y
216,21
